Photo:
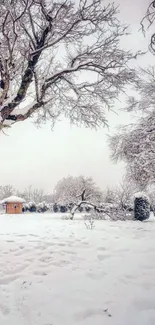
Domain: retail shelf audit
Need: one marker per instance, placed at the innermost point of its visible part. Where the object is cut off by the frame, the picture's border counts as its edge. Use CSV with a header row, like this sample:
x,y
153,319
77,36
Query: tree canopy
x,y
135,143
75,189
136,146
60,58
147,21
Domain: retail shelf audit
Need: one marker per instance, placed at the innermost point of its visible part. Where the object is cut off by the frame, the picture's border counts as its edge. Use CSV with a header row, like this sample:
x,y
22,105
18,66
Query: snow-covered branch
x,y
61,58
89,204
147,21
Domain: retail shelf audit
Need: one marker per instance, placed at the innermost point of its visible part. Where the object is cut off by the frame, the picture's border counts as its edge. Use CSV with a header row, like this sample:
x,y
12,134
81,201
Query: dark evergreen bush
x,y
33,208
141,207
42,207
63,208
55,208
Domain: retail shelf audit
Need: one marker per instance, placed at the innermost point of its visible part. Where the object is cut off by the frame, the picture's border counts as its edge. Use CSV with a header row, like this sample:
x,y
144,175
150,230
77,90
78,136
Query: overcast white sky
x,y
41,157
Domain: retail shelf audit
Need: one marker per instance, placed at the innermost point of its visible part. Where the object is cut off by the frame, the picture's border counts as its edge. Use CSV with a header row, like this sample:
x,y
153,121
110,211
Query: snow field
x,y
57,272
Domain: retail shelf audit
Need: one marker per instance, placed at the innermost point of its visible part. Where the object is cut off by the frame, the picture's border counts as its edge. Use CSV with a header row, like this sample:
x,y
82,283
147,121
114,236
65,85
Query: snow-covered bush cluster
x,y
63,208
53,207
34,207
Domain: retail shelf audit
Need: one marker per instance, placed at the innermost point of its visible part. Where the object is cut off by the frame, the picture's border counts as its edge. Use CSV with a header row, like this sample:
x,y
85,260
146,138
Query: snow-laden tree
x,y
77,191
74,189
60,57
135,145
144,100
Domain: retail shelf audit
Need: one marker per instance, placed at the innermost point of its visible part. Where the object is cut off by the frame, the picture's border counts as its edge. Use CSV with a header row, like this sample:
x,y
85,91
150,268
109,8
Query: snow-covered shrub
x,y
89,221
55,208
50,206
63,208
106,211
70,206
141,207
31,207
42,207
99,215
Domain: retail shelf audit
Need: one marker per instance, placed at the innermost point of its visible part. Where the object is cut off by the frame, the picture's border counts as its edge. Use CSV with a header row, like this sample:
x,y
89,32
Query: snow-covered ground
x,y
57,272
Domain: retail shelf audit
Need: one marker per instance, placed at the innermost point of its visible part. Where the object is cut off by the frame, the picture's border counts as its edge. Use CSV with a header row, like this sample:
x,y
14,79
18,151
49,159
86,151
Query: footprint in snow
x,y
22,235
85,243
61,244
144,304
95,276
103,249
4,309
40,273
91,313
103,257
8,280
69,252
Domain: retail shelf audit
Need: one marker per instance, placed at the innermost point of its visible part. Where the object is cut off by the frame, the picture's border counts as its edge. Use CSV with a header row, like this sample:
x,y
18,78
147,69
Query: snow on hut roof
x,y
13,199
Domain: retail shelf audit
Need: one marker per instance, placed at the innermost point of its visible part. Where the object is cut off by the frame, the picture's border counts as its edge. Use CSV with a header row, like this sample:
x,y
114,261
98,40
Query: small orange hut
x,y
14,204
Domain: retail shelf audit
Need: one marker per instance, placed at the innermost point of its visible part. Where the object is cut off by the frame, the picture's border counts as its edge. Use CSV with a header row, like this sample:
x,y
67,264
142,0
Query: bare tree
x,y
109,196
6,191
38,195
60,57
124,194
33,194
118,201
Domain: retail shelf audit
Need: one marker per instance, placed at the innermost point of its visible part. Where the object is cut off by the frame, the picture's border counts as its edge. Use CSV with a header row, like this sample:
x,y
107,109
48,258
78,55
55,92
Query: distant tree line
x,y
80,194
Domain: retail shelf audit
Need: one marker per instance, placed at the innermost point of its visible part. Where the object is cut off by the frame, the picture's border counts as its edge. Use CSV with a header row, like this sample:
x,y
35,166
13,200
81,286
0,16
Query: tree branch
x,y
68,59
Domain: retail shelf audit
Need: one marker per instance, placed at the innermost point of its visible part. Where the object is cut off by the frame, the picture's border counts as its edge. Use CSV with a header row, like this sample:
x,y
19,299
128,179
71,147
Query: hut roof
x,y
13,199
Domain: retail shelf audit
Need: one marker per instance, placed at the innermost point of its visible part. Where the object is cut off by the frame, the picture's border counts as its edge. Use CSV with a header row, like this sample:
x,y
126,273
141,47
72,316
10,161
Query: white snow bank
x,y
13,199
